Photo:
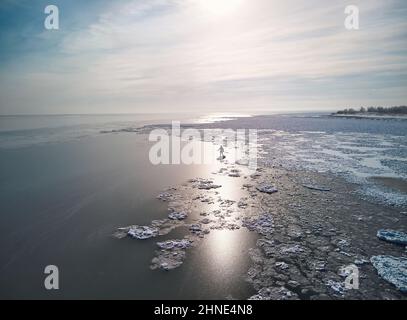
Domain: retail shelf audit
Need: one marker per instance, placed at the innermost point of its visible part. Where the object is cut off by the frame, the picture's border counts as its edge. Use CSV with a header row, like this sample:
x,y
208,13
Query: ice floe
x,y
267,189
337,287
317,188
262,224
282,265
242,204
177,215
274,294
208,185
168,259
206,221
177,244
235,173
319,265
294,249
203,184
360,262
343,243
392,269
397,237
197,230
165,196
142,232
195,227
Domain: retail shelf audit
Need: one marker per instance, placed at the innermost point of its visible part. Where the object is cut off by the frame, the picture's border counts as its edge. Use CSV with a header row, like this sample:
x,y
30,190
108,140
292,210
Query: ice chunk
x,y
195,227
267,189
164,196
171,255
360,262
393,236
168,259
338,287
142,232
392,269
319,265
274,294
242,204
294,249
206,221
317,188
177,215
208,186
177,244
234,173
197,230
204,184
262,224
282,265
343,243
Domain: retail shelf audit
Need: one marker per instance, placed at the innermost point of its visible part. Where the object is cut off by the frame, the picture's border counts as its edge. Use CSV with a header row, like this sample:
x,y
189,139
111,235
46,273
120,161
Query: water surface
x,y
60,204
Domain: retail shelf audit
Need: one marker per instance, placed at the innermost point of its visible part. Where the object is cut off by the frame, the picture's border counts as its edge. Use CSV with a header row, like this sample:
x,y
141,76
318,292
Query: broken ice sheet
x,y
262,224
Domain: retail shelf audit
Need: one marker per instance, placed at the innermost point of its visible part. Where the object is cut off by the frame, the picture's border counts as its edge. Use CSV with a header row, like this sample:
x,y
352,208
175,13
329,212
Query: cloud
x,y
240,55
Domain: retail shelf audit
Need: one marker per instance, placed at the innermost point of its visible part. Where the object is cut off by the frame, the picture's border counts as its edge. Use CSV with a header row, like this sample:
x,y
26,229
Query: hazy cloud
x,y
238,55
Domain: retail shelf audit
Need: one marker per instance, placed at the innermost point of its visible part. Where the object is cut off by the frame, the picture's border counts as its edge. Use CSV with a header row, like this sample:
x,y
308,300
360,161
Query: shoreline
x,y
367,116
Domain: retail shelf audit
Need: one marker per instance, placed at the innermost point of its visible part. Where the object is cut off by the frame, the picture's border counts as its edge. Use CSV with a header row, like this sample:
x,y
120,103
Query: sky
x,y
249,56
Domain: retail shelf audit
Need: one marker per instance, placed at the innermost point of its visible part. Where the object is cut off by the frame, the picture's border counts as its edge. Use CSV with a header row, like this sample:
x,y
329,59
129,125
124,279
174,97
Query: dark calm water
x,y
65,188
60,204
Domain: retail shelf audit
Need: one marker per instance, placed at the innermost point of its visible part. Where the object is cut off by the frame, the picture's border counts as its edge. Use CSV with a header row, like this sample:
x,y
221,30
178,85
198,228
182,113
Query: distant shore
x,y
370,116
399,112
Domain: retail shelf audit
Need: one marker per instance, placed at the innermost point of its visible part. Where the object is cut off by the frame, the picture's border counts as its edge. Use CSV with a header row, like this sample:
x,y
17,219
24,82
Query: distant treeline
x,y
377,110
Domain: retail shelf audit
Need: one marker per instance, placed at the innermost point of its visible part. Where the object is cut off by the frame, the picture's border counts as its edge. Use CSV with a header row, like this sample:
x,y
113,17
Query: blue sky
x,y
200,55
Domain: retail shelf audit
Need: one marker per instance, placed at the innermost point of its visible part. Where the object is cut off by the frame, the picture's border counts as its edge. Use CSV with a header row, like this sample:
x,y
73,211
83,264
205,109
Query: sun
x,y
220,7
